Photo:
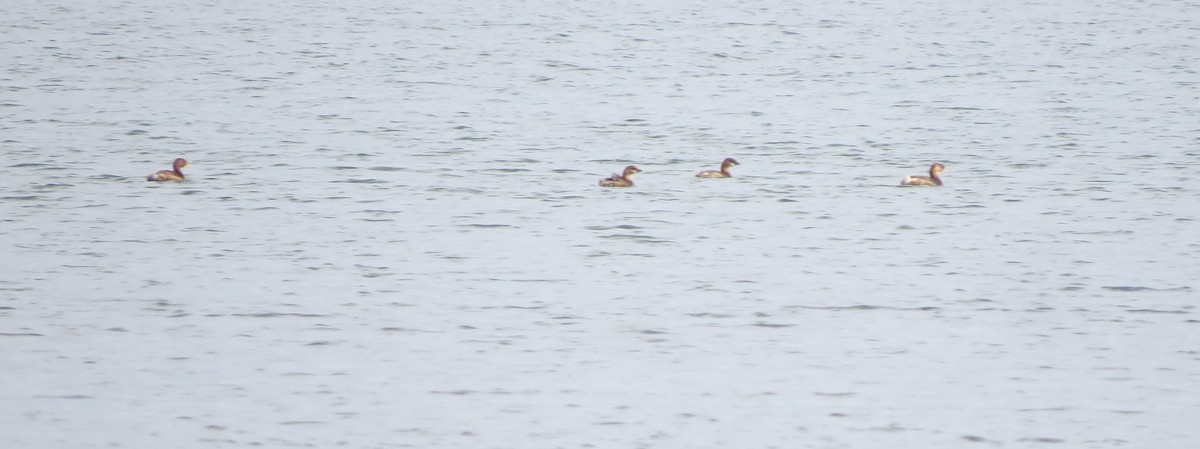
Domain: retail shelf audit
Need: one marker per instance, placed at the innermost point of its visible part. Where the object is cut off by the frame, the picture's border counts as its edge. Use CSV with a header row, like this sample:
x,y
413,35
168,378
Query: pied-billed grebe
x,y
934,178
621,180
722,173
170,175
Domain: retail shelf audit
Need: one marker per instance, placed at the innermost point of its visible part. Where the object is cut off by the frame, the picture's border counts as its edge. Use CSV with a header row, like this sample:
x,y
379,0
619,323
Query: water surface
x,y
391,234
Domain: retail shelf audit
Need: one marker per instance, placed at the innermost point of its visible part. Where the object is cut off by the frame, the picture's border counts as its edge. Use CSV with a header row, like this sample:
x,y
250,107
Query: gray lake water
x,y
391,235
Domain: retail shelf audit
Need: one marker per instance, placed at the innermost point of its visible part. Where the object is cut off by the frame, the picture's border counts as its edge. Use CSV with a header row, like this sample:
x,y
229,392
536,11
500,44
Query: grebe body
x,y
174,174
934,178
722,173
621,180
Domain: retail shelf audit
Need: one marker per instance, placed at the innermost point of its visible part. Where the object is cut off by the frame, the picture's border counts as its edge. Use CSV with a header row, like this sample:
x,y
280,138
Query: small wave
x,y
642,238
274,315
868,307
1137,288
605,228
1172,312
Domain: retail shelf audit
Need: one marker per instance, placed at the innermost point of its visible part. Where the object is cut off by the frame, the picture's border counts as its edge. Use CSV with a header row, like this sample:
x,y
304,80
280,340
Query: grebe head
x,y
937,167
179,163
631,170
729,161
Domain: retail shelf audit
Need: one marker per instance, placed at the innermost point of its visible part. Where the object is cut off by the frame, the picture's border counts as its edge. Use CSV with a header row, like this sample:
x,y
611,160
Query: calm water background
x,y
391,235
